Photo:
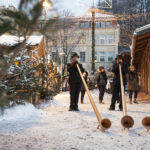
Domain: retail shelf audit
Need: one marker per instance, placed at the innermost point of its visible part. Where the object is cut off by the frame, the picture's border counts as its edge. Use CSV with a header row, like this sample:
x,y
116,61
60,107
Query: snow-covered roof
x,y
100,15
142,30
34,40
10,40
97,15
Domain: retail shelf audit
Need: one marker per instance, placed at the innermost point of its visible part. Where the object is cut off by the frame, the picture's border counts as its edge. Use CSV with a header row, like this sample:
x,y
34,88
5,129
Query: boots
x,y
130,101
101,102
135,101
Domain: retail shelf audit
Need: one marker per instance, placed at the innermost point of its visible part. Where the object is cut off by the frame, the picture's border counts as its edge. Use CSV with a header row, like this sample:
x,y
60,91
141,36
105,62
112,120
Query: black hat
x,y
119,57
74,55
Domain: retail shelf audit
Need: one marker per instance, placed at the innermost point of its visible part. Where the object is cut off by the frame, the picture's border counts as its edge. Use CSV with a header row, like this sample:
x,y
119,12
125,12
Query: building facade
x,y
106,45
78,38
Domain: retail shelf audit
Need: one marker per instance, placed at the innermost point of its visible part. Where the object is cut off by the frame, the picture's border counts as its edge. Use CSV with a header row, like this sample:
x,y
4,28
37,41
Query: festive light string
x,y
84,18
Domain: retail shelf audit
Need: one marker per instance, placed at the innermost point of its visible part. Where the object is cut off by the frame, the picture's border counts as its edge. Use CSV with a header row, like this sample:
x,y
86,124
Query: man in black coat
x,y
116,94
74,82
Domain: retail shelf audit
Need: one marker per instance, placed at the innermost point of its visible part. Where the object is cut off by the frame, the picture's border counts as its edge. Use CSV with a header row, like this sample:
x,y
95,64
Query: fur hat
x,y
101,67
74,55
119,57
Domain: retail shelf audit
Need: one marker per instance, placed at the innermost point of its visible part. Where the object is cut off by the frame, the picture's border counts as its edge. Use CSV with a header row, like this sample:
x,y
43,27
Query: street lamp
x,y
61,55
47,4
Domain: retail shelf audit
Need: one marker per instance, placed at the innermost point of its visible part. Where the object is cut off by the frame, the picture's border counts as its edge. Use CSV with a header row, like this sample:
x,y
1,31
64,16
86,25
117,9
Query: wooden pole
x,y
126,121
122,92
91,99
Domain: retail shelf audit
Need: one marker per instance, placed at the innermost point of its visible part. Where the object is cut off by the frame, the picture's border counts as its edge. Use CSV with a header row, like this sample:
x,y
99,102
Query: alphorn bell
x,y
146,123
126,121
105,123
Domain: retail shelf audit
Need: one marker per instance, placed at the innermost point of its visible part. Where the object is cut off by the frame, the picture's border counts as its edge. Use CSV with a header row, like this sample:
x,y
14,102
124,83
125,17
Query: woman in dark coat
x,y
101,83
133,83
83,90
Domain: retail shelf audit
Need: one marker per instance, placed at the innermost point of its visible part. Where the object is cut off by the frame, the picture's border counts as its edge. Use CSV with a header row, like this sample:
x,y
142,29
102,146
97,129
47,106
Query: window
x,y
102,56
90,24
110,39
97,25
110,56
82,56
86,25
108,24
102,24
82,25
95,56
102,39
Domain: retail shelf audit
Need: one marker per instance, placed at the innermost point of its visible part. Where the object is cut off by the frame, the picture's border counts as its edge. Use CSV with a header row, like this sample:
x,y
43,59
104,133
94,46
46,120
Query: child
x,y
64,89
133,83
101,83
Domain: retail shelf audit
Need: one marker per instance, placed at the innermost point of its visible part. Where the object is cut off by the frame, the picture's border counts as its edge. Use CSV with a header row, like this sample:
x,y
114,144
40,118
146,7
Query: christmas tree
x,y
23,76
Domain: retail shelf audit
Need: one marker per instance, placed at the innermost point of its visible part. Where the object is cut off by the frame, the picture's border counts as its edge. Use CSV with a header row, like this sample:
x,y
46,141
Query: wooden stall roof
x,y
140,40
33,42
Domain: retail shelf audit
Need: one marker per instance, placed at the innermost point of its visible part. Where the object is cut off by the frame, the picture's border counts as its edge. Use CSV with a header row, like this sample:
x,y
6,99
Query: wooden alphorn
x,y
126,121
146,123
103,123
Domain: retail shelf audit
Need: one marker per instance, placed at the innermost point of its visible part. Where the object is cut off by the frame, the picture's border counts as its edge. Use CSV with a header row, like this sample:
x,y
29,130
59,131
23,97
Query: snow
x,y
142,28
98,15
23,111
34,40
52,126
10,40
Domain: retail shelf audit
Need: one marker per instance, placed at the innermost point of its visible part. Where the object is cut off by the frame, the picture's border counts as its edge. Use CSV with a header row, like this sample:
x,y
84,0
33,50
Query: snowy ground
x,y
53,127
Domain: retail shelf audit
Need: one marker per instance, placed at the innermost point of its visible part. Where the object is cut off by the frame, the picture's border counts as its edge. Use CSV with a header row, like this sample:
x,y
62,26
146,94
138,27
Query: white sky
x,y
77,7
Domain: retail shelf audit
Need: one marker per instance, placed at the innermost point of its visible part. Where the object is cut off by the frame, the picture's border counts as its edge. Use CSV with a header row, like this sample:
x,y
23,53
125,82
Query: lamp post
x,y
61,57
46,5
93,41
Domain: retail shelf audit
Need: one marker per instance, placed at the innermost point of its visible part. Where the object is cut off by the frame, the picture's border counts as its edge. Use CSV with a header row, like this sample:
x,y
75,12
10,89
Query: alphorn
x,y
146,123
126,121
105,123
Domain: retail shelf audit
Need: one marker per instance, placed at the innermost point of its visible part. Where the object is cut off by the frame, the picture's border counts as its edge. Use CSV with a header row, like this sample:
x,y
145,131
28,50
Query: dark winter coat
x,y
82,85
74,76
133,81
102,79
115,70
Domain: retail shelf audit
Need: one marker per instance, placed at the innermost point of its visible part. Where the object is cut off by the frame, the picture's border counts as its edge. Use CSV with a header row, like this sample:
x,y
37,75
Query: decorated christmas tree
x,y
22,76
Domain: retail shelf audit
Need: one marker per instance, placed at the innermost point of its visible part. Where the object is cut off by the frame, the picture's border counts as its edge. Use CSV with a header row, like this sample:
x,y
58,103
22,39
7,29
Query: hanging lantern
x,y
55,71
51,75
60,67
56,81
16,63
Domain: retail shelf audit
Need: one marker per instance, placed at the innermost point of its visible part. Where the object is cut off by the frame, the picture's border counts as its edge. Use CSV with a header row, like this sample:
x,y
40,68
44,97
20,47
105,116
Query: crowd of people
x,y
75,84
